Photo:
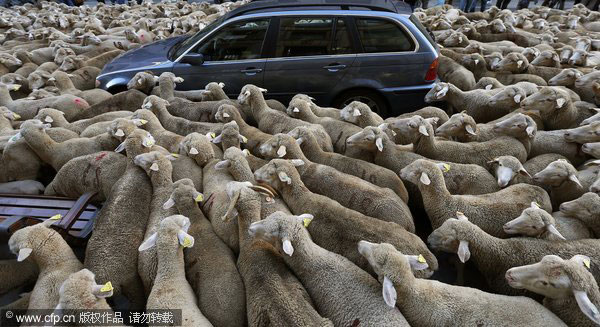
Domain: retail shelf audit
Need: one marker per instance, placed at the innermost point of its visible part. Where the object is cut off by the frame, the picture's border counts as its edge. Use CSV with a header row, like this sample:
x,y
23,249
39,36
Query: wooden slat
x,y
64,203
39,212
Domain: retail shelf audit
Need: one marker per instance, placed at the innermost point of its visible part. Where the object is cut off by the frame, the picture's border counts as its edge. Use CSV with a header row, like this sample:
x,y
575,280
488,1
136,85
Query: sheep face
x,y
565,54
473,61
37,79
278,173
226,113
497,26
353,111
592,149
493,59
142,81
154,103
455,40
153,162
80,291
509,97
61,54
579,58
71,63
298,108
584,134
556,278
546,100
513,62
9,60
584,207
197,147
547,59
250,91
517,126
447,237
556,173
566,77
532,222
281,228
29,239
506,168
437,93
530,53
366,139
277,146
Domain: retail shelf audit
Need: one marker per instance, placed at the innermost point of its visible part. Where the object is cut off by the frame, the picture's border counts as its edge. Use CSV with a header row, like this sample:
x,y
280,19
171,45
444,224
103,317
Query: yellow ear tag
x,y
244,139
16,116
586,262
143,121
446,167
175,155
213,135
306,222
56,217
187,242
421,259
107,287
199,198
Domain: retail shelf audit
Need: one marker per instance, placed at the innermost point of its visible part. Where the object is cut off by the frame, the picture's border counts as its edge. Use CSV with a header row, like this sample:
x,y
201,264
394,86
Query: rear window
x,y
423,30
382,35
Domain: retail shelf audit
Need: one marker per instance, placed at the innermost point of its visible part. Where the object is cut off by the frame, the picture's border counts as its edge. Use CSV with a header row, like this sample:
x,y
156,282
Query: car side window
x,y
237,41
381,35
312,36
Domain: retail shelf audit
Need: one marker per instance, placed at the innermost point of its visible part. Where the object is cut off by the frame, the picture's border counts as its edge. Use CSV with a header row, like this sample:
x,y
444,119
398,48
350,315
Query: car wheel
x,y
372,99
117,89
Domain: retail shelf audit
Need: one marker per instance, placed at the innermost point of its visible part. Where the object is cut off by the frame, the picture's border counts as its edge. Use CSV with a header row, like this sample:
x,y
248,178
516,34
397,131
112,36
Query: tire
x,y
371,98
117,89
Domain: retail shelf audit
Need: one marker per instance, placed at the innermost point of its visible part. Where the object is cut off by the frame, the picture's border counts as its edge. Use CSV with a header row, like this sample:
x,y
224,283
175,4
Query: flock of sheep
x,y
250,212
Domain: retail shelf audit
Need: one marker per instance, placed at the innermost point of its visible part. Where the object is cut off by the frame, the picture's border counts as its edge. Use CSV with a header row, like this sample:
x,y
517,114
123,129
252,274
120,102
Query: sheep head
x,y
584,208
438,93
556,173
32,239
592,149
279,173
584,134
279,146
154,162
460,124
507,168
370,138
197,147
299,108
227,113
353,111
546,100
283,228
453,236
184,194
250,91
566,77
557,278
80,291
533,222
176,225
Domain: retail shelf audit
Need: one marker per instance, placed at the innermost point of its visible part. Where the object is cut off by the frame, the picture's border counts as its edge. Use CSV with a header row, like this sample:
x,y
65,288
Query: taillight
x,y
432,71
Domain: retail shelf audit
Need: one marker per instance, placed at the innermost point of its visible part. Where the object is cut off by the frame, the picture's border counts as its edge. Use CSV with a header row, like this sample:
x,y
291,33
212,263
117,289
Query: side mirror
x,y
195,59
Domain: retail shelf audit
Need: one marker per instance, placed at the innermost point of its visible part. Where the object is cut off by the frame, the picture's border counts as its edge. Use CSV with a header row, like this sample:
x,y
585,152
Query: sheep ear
x,y
517,98
186,240
423,130
489,87
148,243
560,102
221,84
555,232
193,150
299,141
284,177
297,162
519,63
586,306
262,90
417,262
524,172
242,138
154,166
169,204
534,205
23,254
217,139
463,251
389,292
281,151
356,112
574,179
425,179
103,291
442,92
530,131
121,147
379,144
470,130
224,164
119,133
287,247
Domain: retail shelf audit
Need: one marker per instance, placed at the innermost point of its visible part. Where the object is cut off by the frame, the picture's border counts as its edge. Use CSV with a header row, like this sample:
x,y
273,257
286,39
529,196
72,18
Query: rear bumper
x,y
406,99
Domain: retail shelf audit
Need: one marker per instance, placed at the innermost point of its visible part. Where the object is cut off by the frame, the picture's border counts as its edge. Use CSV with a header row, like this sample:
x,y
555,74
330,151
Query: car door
x,y
232,55
311,55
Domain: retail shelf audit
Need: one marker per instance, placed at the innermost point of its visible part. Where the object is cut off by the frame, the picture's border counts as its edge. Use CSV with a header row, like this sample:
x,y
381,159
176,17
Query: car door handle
x,y
251,71
334,67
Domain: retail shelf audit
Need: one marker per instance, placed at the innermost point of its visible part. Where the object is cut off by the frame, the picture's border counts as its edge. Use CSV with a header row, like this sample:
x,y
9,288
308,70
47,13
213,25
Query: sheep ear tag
x,y
425,179
586,306
281,151
389,292
193,151
186,240
287,247
106,287
519,63
23,254
199,198
560,102
379,144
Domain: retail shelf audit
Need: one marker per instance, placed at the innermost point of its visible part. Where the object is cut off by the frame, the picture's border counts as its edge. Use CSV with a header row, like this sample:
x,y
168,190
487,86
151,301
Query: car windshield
x,y
180,47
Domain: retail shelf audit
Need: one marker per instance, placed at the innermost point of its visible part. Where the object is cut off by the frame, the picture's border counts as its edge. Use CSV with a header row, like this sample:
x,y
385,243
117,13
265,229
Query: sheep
x,y
338,130
535,222
517,63
453,72
255,137
267,279
566,78
71,62
479,64
592,149
22,187
343,292
80,292
488,211
494,256
360,114
272,121
509,170
584,134
370,172
53,257
463,128
477,103
158,168
230,136
426,112
174,124
56,118
584,209
85,78
467,153
446,304
547,58
569,289
170,239
129,100
65,86
57,154
556,108
164,138
393,157
209,265
319,111
96,172
361,196
585,58
130,197
16,273
283,177
567,183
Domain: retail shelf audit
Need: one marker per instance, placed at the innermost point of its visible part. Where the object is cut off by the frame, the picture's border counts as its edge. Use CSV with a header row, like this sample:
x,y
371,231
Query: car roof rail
x,y
393,6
